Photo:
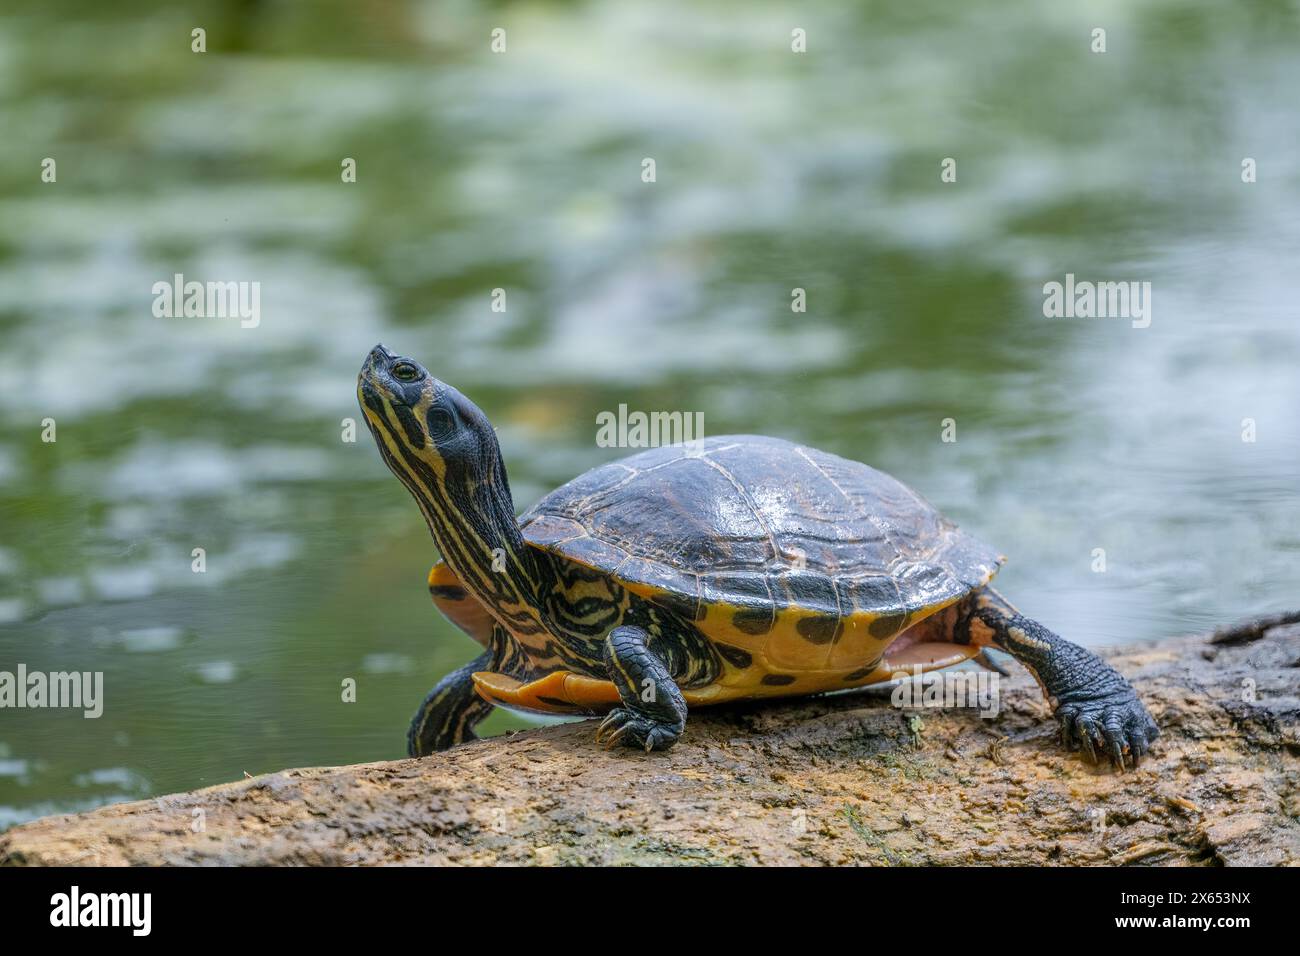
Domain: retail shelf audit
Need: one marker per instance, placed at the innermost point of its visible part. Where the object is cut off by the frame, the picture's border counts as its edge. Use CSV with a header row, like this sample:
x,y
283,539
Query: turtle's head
x,y
426,430
442,447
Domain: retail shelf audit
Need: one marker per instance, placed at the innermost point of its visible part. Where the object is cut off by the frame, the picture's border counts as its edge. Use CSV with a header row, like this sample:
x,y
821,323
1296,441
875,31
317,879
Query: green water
x,y
522,171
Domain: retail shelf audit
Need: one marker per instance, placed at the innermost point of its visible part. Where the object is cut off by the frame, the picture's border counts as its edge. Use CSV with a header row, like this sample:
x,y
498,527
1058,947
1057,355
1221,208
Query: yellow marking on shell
x,y
856,643
782,644
788,651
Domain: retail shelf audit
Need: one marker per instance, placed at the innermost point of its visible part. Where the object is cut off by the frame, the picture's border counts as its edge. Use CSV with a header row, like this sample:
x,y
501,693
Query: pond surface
x,y
523,171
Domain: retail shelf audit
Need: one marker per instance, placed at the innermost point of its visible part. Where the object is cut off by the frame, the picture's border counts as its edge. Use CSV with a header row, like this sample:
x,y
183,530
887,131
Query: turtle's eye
x,y
405,372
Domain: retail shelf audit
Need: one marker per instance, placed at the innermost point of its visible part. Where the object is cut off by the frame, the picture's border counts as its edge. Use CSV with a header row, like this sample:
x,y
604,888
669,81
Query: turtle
x,y
734,567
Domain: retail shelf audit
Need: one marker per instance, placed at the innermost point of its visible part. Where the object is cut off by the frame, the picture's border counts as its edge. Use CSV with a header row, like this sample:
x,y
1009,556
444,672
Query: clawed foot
x,y
1116,724
635,730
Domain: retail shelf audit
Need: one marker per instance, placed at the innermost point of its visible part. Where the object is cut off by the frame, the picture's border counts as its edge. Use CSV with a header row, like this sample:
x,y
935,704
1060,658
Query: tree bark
x,y
838,780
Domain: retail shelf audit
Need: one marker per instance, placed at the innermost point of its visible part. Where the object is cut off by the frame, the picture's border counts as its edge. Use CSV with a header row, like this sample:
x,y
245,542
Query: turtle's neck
x,y
471,515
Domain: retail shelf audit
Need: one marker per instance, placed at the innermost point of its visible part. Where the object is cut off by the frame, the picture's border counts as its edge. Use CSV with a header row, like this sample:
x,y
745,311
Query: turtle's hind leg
x,y
653,714
1096,708
454,708
450,712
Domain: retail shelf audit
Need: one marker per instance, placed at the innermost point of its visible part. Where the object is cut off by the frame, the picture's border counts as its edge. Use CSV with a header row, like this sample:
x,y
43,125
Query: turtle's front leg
x,y
1096,708
653,713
